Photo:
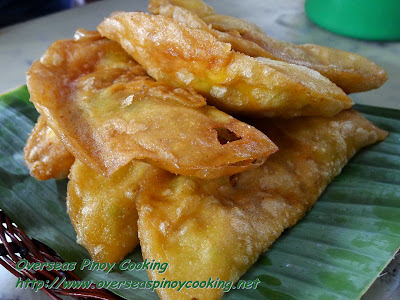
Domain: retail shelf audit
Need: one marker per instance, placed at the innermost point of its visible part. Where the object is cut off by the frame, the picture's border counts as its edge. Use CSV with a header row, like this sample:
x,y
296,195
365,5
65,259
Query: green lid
x,y
364,19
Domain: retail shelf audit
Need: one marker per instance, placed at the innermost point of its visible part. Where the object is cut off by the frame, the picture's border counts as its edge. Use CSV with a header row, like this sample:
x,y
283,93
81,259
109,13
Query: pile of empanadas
x,y
138,114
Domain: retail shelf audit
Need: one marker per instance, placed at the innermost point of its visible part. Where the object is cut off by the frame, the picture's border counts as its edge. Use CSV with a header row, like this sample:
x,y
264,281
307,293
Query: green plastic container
x,y
363,19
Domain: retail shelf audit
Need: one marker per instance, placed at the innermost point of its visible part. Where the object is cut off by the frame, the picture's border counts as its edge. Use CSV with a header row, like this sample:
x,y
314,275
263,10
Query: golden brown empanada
x,y
176,53
108,111
103,210
218,228
350,71
45,154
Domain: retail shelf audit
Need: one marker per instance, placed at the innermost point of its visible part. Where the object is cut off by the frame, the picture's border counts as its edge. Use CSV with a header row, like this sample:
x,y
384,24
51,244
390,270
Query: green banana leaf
x,y
335,252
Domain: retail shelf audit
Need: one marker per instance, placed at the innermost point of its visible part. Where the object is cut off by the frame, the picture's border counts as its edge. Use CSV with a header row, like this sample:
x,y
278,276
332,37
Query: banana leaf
x,y
335,252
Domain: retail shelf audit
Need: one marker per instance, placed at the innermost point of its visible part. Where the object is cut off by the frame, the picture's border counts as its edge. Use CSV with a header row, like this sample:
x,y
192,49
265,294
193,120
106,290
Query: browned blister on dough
x,y
108,111
218,228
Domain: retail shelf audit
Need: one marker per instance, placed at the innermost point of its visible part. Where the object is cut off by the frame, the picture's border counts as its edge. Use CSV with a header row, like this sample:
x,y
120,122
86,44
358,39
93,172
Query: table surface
x,y
24,43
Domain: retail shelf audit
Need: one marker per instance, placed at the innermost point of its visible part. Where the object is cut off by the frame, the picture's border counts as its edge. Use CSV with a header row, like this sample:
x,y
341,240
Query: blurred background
x,y
16,11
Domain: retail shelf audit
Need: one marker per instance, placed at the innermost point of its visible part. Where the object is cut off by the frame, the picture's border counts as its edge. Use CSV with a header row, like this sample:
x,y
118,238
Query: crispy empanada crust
x,y
103,210
351,72
234,82
45,154
108,111
218,228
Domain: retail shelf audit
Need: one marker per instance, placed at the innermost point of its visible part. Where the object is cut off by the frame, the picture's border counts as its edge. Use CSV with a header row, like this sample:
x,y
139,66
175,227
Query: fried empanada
x,y
218,228
103,210
234,82
108,111
196,6
45,154
350,71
